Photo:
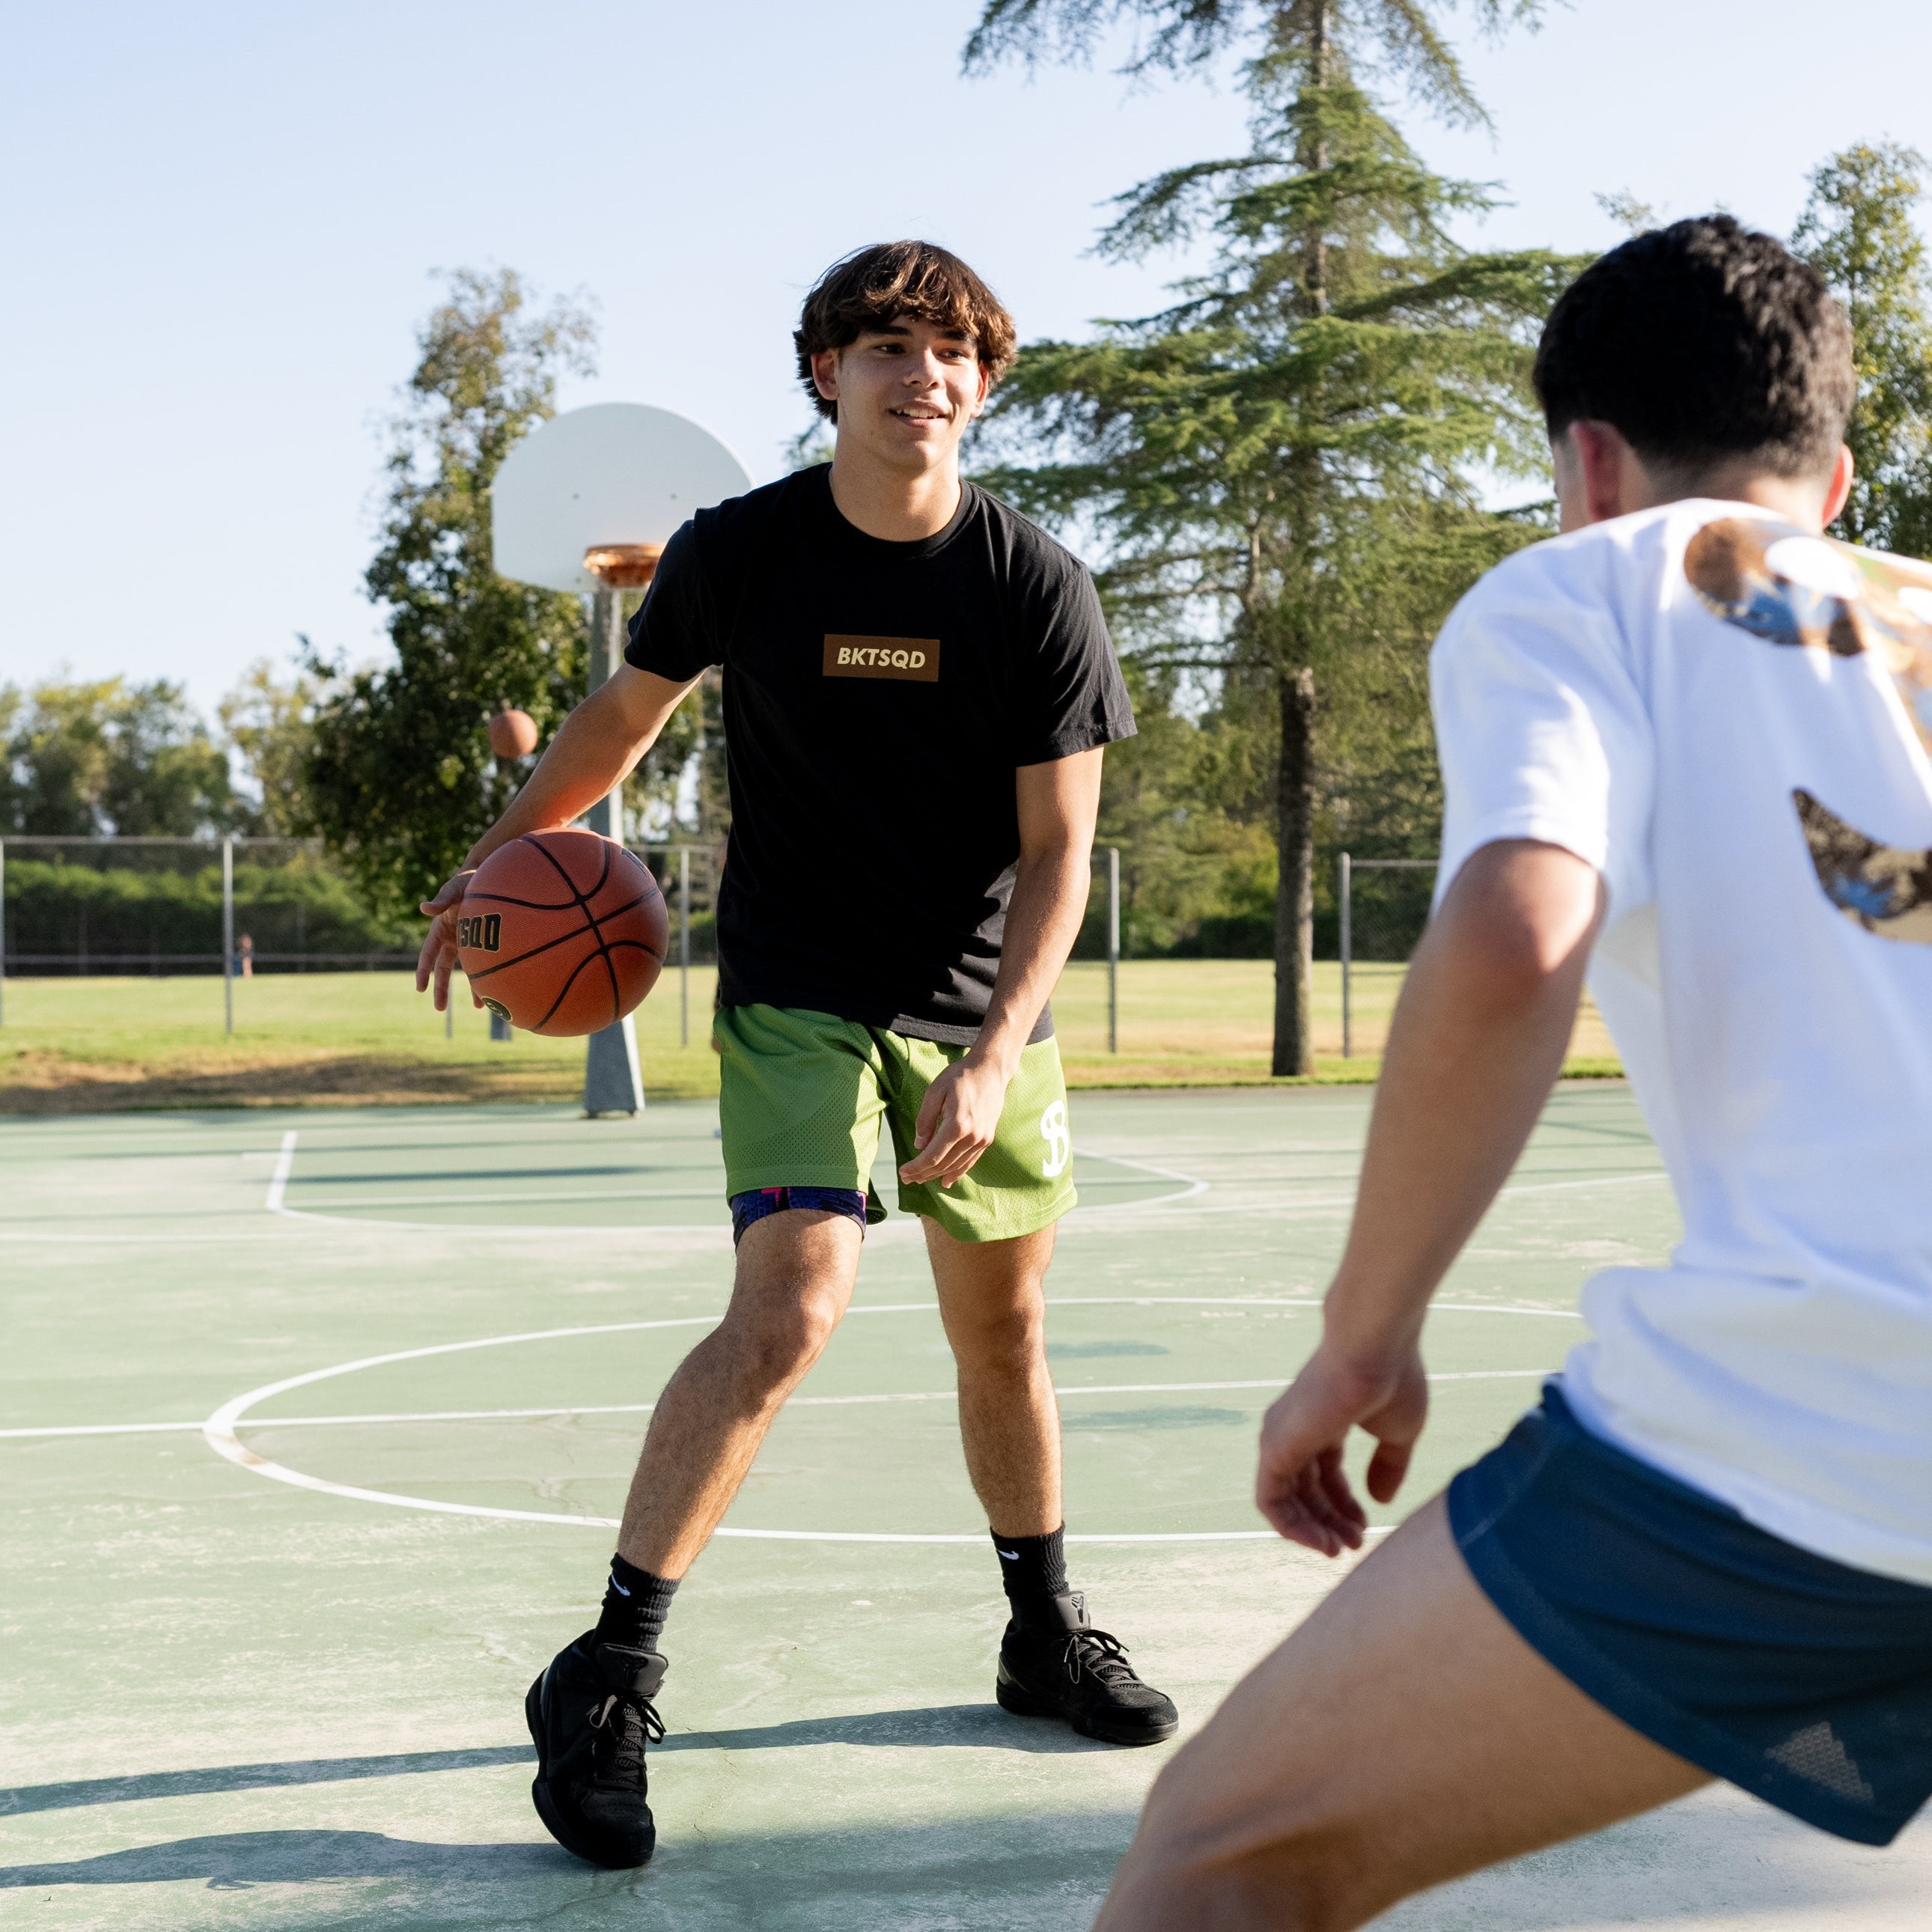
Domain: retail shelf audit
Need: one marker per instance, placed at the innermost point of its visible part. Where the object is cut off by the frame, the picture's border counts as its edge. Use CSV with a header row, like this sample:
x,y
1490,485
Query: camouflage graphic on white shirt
x,y
1787,587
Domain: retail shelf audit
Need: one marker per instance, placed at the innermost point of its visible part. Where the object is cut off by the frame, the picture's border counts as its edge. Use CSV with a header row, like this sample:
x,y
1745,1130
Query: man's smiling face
x,y
906,391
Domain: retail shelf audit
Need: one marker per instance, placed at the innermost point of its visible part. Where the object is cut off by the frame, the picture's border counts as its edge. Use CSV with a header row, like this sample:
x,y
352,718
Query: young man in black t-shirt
x,y
918,688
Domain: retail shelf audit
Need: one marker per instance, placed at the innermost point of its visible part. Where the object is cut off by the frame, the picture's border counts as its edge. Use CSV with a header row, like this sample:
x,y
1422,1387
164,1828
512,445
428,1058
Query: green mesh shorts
x,y
804,1097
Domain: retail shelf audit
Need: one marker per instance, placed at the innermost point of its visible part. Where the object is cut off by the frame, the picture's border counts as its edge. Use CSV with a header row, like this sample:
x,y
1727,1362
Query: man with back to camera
x,y
919,686
1689,736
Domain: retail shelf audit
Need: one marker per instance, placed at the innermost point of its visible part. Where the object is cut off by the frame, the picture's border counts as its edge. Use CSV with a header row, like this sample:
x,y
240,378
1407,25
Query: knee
x,y
1003,1341
773,1347
1285,1874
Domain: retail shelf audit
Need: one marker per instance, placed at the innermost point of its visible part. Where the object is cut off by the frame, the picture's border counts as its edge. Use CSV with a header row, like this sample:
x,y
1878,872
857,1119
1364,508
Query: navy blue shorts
x,y
1804,1682
755,1203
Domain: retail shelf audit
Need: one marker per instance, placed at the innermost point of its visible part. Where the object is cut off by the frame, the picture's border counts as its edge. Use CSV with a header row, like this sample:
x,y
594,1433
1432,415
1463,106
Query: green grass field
x,y
69,1045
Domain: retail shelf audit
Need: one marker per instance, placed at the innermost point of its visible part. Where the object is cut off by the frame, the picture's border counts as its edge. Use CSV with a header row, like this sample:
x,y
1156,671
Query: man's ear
x,y
1607,469
825,373
985,385
1839,492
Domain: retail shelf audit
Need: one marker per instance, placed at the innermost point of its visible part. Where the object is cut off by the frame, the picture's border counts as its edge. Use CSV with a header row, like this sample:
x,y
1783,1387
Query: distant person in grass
x,y
918,688
1684,746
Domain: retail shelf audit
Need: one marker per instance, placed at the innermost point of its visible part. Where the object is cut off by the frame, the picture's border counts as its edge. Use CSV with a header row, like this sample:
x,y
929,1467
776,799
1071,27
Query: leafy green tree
x,y
1288,466
80,760
1858,230
400,779
271,723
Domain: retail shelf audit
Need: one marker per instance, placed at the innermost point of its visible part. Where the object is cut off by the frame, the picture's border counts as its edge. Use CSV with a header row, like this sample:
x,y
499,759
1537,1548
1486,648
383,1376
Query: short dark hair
x,y
887,281
1702,342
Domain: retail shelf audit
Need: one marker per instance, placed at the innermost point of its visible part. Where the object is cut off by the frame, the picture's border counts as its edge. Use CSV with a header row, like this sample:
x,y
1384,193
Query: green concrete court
x,y
314,1422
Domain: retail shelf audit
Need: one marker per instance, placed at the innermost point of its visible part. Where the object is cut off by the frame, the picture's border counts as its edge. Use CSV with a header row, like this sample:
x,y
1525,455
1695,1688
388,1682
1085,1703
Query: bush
x,y
59,914
1237,935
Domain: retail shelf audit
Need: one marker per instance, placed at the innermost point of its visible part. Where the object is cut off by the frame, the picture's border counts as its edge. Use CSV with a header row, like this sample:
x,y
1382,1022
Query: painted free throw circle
x,y
221,1430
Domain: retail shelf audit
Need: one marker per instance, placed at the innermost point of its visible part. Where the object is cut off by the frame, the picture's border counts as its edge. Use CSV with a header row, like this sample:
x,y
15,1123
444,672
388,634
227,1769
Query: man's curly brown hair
x,y
887,282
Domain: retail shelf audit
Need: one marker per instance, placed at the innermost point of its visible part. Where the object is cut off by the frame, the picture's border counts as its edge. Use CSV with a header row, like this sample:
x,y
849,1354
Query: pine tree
x,y
1857,230
1287,466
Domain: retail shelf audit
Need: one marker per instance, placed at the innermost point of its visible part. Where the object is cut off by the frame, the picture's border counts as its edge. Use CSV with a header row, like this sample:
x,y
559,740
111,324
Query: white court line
x,y
1283,1205
278,1181
1191,1184
1595,1181
100,1429
221,1429
1289,1204
646,1407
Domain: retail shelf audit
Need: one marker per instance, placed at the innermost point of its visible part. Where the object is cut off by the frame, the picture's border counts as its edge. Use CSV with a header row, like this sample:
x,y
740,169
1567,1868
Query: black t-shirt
x,y
878,698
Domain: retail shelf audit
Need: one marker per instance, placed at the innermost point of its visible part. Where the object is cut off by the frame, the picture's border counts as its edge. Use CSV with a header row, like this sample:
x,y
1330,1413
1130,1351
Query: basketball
x,y
562,933
513,734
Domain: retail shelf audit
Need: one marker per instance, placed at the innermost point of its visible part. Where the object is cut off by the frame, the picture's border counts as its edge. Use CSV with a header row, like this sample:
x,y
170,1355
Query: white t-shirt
x,y
1730,718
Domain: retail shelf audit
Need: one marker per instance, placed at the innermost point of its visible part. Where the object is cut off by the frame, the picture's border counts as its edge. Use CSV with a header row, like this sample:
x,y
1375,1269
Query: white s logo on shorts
x,y
1059,1146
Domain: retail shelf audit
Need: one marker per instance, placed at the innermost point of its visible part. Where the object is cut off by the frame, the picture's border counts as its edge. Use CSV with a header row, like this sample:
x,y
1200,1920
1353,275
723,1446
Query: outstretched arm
x,y
1477,1040
1059,803
596,749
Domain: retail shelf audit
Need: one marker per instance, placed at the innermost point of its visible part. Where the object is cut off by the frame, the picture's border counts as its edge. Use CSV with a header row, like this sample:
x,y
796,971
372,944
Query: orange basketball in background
x,y
562,933
513,734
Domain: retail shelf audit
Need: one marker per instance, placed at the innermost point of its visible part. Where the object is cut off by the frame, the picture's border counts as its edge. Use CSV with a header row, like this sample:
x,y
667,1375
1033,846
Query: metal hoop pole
x,y
228,935
1113,949
1348,952
684,946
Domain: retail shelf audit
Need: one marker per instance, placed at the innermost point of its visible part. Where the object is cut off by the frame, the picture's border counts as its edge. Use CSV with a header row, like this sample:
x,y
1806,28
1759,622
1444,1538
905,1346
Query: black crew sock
x,y
1033,1569
635,1605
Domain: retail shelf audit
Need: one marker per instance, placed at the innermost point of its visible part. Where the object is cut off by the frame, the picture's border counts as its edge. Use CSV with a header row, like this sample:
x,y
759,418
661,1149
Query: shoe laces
x,y
623,1723
1099,1655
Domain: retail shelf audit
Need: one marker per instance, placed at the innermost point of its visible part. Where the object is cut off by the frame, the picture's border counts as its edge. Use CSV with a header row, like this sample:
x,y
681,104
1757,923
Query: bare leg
x,y
1404,1736
795,1275
992,1301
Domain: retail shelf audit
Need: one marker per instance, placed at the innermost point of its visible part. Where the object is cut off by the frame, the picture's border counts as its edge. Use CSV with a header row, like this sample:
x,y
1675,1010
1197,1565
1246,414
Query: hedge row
x,y
77,912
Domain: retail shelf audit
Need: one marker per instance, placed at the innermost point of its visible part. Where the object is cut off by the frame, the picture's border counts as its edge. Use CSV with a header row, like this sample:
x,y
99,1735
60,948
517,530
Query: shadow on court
x,y
249,1777
1038,1870
1043,1870
393,1176
238,1859
974,1726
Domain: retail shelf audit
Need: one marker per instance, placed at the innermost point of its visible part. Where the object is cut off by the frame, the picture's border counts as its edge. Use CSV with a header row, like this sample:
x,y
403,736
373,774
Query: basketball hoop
x,y
611,481
586,503
629,566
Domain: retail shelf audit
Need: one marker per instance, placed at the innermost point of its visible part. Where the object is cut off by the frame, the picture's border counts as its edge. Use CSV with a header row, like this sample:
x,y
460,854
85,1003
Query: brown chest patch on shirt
x,y
914,657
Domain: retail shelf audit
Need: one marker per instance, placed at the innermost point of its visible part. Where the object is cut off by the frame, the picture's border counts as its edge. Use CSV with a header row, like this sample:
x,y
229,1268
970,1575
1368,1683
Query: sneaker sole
x,y
1023,1704
554,1822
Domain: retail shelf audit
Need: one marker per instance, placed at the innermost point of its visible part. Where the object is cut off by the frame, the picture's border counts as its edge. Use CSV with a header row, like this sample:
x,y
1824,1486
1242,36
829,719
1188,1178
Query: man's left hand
x,y
957,1121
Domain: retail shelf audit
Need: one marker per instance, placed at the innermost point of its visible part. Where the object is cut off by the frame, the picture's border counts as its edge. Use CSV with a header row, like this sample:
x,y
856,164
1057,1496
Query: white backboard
x,y
610,473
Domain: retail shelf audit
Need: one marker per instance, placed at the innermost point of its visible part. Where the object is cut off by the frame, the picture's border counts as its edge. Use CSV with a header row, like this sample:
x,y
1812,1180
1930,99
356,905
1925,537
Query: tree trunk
x,y
1294,897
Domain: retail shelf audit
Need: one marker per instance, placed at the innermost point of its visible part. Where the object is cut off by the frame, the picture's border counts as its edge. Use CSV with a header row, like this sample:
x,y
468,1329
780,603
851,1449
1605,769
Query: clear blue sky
x,y
222,222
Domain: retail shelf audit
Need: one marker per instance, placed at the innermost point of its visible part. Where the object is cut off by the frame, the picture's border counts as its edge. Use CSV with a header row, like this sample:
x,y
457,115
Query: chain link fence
x,y
234,907
156,906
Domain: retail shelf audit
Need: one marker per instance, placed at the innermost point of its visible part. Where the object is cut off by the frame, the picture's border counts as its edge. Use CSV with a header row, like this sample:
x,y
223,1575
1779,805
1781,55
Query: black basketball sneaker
x,y
591,1716
1059,1665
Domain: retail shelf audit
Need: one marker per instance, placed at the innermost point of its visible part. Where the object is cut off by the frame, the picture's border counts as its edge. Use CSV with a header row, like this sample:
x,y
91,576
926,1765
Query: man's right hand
x,y
1300,1486
437,959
